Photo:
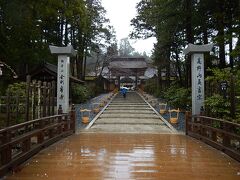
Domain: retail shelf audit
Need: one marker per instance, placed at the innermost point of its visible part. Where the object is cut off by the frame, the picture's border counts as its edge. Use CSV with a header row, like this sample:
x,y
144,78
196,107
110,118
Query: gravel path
x,y
88,105
180,126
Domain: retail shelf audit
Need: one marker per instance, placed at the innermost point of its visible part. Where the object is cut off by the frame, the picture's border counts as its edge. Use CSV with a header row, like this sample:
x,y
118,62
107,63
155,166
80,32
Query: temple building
x,y
125,71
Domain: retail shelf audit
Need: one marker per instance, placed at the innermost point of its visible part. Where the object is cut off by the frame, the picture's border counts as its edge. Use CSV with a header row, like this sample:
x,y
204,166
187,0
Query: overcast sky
x,y
120,13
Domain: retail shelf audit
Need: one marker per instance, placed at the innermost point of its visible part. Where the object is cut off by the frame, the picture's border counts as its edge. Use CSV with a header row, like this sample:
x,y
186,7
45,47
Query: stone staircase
x,y
130,115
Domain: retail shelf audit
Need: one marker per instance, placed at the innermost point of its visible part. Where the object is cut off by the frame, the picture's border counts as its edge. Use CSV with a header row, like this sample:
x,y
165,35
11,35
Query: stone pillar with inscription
x,y
197,67
64,54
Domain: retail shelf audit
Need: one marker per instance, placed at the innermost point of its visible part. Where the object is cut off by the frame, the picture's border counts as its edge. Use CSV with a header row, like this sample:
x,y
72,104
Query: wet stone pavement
x,y
127,156
99,156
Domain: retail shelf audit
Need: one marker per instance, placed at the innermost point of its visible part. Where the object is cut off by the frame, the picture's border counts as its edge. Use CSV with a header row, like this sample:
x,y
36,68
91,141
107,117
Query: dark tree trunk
x,y
84,58
230,32
208,63
85,64
79,66
205,34
81,47
230,51
168,69
178,67
220,29
61,31
190,39
160,78
66,33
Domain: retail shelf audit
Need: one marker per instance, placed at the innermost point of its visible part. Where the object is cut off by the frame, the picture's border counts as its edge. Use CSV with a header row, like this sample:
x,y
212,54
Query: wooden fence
x,y
40,99
39,102
20,142
221,134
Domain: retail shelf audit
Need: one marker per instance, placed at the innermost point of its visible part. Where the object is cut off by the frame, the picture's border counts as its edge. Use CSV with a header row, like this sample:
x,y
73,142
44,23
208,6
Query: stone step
x,y
130,115
128,121
130,128
129,97
129,102
128,108
121,103
140,116
125,105
133,111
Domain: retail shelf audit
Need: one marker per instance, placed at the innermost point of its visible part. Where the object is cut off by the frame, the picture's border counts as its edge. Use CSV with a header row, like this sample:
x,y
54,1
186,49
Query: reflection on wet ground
x,y
129,156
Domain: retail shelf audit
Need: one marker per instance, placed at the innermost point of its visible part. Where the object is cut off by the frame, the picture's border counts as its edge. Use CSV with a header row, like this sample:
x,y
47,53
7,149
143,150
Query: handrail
x,y
31,122
215,119
20,142
221,134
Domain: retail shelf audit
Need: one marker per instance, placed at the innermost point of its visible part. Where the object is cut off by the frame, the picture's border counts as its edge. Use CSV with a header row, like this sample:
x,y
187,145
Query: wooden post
x,y
17,107
6,153
232,97
118,82
8,109
201,121
213,133
30,101
53,97
187,119
39,93
201,126
226,139
40,136
60,111
49,99
34,98
73,118
44,99
27,98
26,145
136,81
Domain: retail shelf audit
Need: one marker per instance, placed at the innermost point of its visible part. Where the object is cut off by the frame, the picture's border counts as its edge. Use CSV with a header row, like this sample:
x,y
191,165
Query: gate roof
x,y
127,66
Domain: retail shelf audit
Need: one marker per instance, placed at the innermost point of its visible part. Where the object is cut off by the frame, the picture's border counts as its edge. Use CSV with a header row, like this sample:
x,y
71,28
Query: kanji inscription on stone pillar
x,y
197,67
64,54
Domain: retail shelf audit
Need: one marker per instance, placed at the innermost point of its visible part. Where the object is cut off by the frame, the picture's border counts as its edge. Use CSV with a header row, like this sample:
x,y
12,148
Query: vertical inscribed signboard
x,y
197,83
64,54
63,82
197,58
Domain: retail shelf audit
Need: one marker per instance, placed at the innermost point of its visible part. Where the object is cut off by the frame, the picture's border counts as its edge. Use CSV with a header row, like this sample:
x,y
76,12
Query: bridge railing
x,y
221,134
20,142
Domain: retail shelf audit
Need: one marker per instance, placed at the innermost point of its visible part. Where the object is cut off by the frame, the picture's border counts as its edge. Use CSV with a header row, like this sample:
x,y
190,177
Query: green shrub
x,y
178,97
81,93
218,106
151,87
17,89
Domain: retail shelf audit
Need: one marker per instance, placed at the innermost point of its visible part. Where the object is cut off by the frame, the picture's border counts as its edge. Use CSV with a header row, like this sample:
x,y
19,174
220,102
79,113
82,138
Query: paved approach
x,y
110,156
129,141
130,115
